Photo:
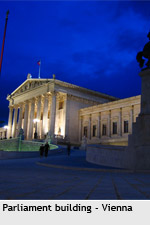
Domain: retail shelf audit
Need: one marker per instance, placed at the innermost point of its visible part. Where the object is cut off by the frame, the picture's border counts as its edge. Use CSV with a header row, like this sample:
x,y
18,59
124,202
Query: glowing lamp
x,y
36,120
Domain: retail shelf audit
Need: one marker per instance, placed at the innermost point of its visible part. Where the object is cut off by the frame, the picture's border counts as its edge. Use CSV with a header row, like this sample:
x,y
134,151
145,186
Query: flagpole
x,y
3,41
39,69
39,72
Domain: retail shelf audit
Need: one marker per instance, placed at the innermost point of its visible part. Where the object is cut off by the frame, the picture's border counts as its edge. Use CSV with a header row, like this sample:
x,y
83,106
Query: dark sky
x,y
90,44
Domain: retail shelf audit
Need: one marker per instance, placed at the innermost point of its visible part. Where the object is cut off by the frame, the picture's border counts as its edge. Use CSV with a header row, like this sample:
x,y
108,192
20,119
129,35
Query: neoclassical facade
x,y
69,111
49,105
3,133
109,122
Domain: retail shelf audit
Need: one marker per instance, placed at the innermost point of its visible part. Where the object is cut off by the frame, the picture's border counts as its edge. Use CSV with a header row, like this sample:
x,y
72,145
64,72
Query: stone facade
x,y
3,133
69,111
109,122
41,106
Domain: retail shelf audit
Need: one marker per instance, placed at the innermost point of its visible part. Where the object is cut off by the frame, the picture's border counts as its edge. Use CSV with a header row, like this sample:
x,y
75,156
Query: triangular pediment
x,y
29,85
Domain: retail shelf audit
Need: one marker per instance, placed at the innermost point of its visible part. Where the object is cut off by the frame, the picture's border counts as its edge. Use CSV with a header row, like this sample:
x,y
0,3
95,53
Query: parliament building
x,y
39,106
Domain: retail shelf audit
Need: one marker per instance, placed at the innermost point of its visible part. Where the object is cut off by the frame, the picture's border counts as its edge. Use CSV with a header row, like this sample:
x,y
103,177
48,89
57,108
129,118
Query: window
x,y
61,105
126,126
114,127
94,130
85,131
104,129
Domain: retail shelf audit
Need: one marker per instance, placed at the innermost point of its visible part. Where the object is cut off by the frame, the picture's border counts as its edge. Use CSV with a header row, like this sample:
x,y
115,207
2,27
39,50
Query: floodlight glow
x,y
36,120
5,127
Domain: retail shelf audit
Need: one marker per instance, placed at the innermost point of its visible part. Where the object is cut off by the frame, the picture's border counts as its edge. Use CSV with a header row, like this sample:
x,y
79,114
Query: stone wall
x,y
113,156
121,113
3,132
14,145
9,144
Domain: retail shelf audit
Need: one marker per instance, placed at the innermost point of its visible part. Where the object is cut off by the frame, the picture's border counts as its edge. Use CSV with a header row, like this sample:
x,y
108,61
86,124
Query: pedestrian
x,y
35,135
41,150
46,149
68,148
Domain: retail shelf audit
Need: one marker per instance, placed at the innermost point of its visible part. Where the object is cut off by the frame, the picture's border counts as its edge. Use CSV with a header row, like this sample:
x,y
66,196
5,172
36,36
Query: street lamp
x,y
35,121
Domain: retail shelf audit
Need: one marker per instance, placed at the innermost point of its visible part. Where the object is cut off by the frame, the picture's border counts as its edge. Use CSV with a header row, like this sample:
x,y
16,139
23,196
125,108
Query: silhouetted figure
x,y
46,149
144,54
35,135
41,150
68,148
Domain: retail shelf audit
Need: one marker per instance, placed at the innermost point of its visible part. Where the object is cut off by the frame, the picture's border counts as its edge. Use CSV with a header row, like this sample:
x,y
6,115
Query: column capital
x,y
10,107
54,93
39,97
90,117
21,104
109,111
46,95
16,106
81,118
132,107
32,100
26,102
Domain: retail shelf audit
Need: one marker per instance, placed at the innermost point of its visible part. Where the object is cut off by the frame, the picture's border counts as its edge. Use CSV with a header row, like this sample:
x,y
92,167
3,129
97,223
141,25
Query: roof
x,y
61,83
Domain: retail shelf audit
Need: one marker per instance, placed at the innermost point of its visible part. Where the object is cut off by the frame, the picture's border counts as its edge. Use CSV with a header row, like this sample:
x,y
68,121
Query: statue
x,y
48,137
29,76
21,134
145,53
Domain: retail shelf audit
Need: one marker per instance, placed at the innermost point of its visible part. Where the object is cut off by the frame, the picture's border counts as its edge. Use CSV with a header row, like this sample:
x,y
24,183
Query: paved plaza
x,y
65,177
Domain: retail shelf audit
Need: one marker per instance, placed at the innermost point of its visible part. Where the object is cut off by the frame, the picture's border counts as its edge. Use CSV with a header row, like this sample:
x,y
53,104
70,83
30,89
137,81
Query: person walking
x,y
46,149
41,150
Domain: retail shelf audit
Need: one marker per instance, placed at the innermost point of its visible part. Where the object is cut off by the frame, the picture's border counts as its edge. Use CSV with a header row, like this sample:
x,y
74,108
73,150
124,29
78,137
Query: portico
x,y
49,105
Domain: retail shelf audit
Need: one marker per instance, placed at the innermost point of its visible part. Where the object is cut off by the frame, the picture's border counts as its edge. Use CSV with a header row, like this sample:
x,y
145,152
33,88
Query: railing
x,y
15,144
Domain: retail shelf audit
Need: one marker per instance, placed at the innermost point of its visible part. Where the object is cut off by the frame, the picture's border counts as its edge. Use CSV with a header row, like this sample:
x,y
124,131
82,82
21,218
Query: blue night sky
x,y
90,44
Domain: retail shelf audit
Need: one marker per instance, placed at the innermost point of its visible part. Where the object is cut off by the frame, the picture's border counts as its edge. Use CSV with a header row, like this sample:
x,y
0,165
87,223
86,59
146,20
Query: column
x,y
109,124
26,114
80,128
45,116
131,120
39,108
14,122
31,117
53,113
20,118
66,111
99,126
89,128
9,132
120,122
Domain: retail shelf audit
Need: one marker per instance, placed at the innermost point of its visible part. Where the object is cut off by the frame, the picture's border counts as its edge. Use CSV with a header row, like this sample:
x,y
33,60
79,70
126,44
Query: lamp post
x,y
35,133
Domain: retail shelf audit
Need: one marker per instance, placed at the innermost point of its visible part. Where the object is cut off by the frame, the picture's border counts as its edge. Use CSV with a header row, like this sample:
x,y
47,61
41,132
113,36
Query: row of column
x,y
29,109
109,125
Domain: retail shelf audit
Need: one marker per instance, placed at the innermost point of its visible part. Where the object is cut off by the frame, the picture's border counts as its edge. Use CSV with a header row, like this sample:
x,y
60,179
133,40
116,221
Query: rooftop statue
x,y
144,54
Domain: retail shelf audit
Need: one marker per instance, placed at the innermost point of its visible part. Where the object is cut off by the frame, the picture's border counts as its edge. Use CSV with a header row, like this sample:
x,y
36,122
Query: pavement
x,y
64,177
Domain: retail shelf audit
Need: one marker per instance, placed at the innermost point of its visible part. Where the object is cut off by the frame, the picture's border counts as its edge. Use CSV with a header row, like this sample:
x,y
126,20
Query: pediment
x,y
28,85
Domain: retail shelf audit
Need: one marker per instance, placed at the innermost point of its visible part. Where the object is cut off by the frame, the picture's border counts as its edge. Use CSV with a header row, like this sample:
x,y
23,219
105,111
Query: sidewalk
x,y
69,177
76,161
